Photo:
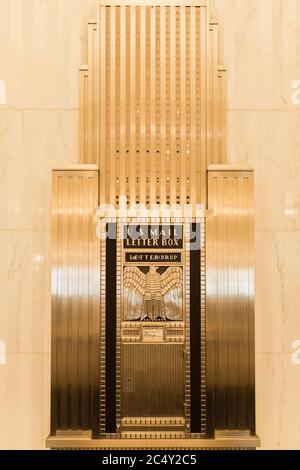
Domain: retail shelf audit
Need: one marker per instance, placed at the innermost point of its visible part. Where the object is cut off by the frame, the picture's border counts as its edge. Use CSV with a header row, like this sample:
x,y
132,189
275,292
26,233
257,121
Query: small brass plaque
x,y
153,335
164,257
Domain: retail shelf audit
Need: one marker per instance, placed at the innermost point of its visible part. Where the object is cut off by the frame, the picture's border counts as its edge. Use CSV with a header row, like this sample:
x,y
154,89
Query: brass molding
x,y
139,444
233,167
76,167
154,3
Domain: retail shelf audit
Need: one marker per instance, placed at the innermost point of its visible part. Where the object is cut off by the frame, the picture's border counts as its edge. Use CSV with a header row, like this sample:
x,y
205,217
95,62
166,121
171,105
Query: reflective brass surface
x,y
83,115
153,101
230,300
152,380
75,294
153,119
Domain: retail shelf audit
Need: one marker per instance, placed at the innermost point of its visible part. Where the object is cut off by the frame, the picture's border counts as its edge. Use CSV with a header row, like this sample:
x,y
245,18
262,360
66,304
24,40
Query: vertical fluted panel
x,y
75,329
230,300
153,93
83,114
216,101
152,377
155,103
222,116
92,117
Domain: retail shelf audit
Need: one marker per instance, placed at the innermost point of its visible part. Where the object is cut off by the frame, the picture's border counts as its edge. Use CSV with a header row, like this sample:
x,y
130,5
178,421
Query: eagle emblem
x,y
152,296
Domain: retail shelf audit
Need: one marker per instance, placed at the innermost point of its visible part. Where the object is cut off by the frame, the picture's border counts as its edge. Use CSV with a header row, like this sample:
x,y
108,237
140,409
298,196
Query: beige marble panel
x,y
270,141
41,49
32,142
25,291
3,408
277,290
278,403
26,405
260,46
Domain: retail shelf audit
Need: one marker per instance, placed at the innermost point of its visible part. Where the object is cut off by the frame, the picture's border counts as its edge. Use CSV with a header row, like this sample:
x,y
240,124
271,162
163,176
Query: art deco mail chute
x,y
152,311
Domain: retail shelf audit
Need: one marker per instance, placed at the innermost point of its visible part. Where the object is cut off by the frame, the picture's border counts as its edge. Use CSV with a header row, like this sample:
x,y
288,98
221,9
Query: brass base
x,y
84,442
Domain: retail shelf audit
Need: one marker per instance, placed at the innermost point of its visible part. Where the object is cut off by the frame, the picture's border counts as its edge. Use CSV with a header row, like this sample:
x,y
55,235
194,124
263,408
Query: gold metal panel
x,y
137,130
114,94
222,133
199,49
186,104
91,128
121,25
210,96
184,170
113,67
172,105
96,97
217,101
162,108
142,109
103,106
88,101
153,87
75,325
161,117
215,94
193,92
133,107
152,105
203,104
152,380
230,300
83,114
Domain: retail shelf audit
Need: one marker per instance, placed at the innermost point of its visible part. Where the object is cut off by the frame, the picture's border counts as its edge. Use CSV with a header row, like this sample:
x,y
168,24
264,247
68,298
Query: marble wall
x,y
260,45
42,44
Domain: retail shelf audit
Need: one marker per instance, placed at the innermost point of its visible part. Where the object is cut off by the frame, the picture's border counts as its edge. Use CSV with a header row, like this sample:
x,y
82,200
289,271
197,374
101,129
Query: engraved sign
x,y
144,237
164,257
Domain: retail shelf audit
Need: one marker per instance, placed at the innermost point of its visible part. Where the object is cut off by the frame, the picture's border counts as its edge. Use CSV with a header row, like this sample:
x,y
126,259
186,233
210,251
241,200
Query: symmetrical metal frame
x,y
119,222
153,131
